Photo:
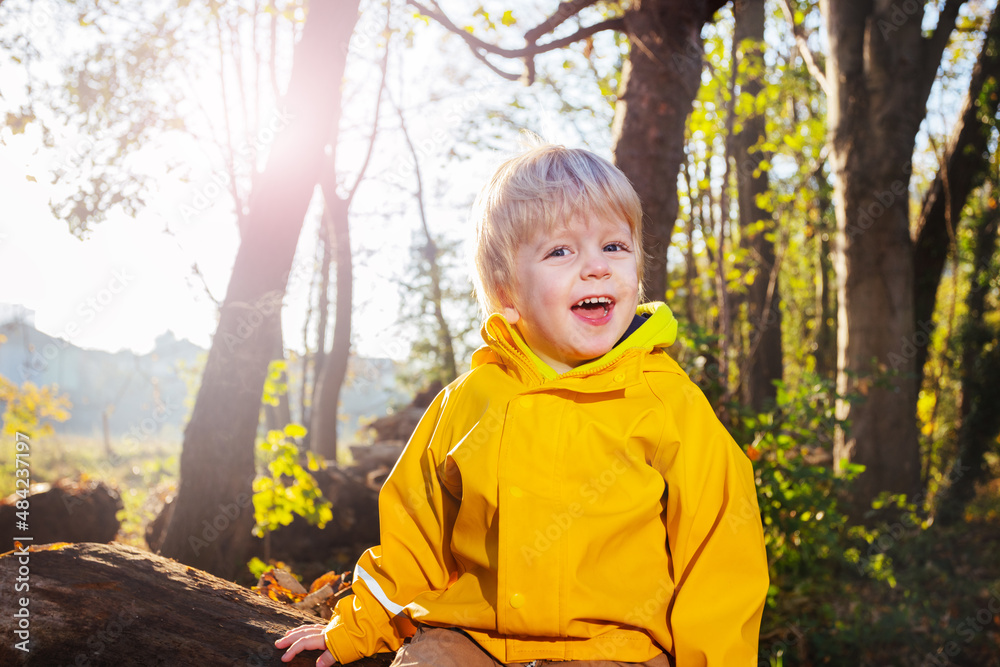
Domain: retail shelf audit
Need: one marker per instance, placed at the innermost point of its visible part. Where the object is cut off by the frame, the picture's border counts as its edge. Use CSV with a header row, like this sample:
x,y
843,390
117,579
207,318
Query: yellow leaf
x,y
508,18
31,178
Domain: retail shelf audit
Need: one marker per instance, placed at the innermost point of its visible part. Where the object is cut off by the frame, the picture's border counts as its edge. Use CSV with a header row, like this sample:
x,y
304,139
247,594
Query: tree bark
x,y
965,160
764,363
217,460
111,605
659,82
880,70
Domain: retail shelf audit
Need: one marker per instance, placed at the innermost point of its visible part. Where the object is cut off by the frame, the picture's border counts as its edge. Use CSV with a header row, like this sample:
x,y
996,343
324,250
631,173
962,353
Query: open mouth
x,y
594,308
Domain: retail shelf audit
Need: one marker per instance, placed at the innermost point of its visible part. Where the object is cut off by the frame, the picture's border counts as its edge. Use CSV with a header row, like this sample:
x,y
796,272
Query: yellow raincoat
x,y
601,514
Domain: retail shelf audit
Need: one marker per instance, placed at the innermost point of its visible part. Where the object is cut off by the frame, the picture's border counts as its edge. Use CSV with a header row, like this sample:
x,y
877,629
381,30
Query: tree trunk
x,y
330,378
826,337
447,368
105,605
764,364
659,82
880,68
965,160
319,359
980,368
210,527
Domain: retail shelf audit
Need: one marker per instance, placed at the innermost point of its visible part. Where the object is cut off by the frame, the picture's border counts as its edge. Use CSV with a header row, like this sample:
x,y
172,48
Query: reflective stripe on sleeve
x,y
377,591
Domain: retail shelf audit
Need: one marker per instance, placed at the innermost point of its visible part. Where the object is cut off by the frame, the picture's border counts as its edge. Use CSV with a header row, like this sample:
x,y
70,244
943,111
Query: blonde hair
x,y
538,190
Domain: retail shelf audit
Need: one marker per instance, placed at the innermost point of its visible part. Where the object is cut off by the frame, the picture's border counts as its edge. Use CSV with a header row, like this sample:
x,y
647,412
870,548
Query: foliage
x,y
31,409
805,527
287,489
853,594
275,383
258,567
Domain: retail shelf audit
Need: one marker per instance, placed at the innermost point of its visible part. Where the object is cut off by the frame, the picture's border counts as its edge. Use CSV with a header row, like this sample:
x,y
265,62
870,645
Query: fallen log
x,y
65,511
96,605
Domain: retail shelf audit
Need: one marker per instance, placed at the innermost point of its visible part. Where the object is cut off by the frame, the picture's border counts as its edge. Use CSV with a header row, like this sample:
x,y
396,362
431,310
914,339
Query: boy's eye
x,y
558,252
615,247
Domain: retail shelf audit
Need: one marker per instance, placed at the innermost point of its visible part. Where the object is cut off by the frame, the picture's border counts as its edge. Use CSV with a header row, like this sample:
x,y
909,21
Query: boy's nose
x,y
596,265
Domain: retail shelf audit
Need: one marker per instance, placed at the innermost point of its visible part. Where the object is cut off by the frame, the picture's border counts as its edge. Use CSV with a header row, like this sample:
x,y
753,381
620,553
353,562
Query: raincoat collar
x,y
505,345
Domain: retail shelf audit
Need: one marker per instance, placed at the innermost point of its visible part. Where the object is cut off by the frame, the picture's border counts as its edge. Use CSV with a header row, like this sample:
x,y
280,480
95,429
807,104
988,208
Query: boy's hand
x,y
306,638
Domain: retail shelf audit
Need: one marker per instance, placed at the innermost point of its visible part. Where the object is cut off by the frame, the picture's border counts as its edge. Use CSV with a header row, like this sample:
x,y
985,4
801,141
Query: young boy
x,y
573,497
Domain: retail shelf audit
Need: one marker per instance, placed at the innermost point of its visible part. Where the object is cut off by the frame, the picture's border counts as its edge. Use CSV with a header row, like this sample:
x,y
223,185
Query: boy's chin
x,y
586,356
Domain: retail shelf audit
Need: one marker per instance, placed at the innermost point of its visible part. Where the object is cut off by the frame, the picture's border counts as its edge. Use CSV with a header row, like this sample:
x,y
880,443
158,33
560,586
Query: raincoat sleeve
x,y
416,517
714,534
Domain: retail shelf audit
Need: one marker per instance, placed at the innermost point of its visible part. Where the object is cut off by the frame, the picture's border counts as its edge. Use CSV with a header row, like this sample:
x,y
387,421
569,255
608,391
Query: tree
x,y
962,171
217,460
332,369
427,295
980,340
879,72
764,363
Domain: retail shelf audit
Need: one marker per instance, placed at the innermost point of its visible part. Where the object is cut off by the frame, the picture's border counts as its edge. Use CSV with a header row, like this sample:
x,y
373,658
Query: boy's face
x,y
588,259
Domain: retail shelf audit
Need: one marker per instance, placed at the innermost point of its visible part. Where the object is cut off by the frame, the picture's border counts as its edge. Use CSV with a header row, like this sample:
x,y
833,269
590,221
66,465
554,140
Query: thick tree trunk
x,y
880,69
210,527
764,364
966,158
110,605
659,82
331,378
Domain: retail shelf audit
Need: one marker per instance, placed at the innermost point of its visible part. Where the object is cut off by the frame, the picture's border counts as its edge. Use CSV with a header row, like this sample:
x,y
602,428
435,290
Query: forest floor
x,y
935,600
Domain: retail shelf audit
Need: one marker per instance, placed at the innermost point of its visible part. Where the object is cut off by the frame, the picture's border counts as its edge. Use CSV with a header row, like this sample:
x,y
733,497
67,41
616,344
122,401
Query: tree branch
x,y
802,42
934,45
566,10
479,47
378,105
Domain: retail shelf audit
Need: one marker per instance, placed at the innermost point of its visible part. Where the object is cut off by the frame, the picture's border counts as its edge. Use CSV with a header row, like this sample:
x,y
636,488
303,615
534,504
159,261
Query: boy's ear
x,y
507,308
